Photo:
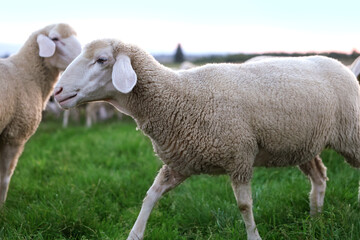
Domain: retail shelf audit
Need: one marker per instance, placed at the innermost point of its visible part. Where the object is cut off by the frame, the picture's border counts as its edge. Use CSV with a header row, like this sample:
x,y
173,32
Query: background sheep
x,y
186,65
100,111
355,68
52,108
221,118
259,58
27,80
94,112
71,113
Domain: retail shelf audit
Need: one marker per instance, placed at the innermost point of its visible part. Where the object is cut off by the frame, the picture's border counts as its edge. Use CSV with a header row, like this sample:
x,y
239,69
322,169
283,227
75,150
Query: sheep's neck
x,y
156,103
147,97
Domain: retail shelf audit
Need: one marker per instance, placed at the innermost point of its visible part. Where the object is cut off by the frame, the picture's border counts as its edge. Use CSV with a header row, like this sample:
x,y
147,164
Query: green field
x,y
80,183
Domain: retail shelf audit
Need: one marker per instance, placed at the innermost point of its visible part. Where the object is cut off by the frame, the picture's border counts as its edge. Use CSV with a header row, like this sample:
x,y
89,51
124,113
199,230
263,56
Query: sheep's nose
x,y
57,90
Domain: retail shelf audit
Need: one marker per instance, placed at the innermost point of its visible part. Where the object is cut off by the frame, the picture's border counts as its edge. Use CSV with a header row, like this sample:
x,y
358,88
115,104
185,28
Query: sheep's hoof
x,y
254,235
254,238
134,236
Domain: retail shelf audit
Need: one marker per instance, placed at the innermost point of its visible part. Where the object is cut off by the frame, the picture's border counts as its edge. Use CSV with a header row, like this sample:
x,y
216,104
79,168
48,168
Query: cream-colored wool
x,y
27,81
223,118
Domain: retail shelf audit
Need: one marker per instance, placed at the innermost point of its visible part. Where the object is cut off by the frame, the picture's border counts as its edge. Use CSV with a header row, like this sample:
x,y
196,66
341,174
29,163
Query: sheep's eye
x,y
55,39
101,60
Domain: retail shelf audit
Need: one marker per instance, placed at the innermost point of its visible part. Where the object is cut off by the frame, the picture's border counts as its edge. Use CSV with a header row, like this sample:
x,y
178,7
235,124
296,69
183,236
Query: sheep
x,y
186,65
259,58
221,118
72,113
315,170
94,111
27,80
99,111
52,108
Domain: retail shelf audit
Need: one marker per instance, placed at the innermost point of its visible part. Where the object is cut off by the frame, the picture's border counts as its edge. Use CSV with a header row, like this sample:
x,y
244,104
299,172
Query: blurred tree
x,y
179,55
355,53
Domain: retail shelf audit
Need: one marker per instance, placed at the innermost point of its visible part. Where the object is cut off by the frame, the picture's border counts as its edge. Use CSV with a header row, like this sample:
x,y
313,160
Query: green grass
x,y
79,183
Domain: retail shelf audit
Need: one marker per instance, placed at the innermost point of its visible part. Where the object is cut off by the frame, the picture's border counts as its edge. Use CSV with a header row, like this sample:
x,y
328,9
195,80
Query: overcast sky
x,y
223,26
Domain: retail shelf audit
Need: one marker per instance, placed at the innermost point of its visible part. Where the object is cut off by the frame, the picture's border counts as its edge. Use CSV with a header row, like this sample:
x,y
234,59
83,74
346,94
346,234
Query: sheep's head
x,y
101,71
58,45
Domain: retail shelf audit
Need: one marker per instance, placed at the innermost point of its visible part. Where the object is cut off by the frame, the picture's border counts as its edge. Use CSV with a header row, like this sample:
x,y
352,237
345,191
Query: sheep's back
x,y
292,108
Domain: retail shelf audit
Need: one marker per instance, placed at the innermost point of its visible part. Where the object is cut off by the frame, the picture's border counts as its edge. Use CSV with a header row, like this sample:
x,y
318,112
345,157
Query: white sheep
x,y
73,114
315,170
27,80
259,58
186,65
100,111
52,108
221,118
94,111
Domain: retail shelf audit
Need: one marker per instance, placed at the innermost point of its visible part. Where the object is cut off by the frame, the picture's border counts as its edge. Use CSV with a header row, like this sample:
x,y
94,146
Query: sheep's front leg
x,y
166,180
243,197
316,171
9,154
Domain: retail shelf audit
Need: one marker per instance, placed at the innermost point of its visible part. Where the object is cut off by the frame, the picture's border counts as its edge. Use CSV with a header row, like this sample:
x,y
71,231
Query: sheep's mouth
x,y
65,99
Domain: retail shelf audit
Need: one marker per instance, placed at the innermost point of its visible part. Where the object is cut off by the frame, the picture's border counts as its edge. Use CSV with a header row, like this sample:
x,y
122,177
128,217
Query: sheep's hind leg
x,y
9,154
166,180
243,197
352,157
316,171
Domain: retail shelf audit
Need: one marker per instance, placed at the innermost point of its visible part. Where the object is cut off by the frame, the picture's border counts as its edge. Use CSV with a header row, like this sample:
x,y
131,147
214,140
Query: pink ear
x,y
46,46
123,75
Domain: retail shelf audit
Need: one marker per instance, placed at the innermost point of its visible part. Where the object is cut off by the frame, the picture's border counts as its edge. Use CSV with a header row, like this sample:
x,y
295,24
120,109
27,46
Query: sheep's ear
x,y
46,46
123,75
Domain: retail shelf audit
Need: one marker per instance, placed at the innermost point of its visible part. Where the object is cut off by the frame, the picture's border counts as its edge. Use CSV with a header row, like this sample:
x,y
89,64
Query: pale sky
x,y
223,26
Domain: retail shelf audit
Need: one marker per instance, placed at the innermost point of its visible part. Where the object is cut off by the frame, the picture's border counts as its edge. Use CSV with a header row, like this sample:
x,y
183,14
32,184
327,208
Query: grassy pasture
x,y
80,183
